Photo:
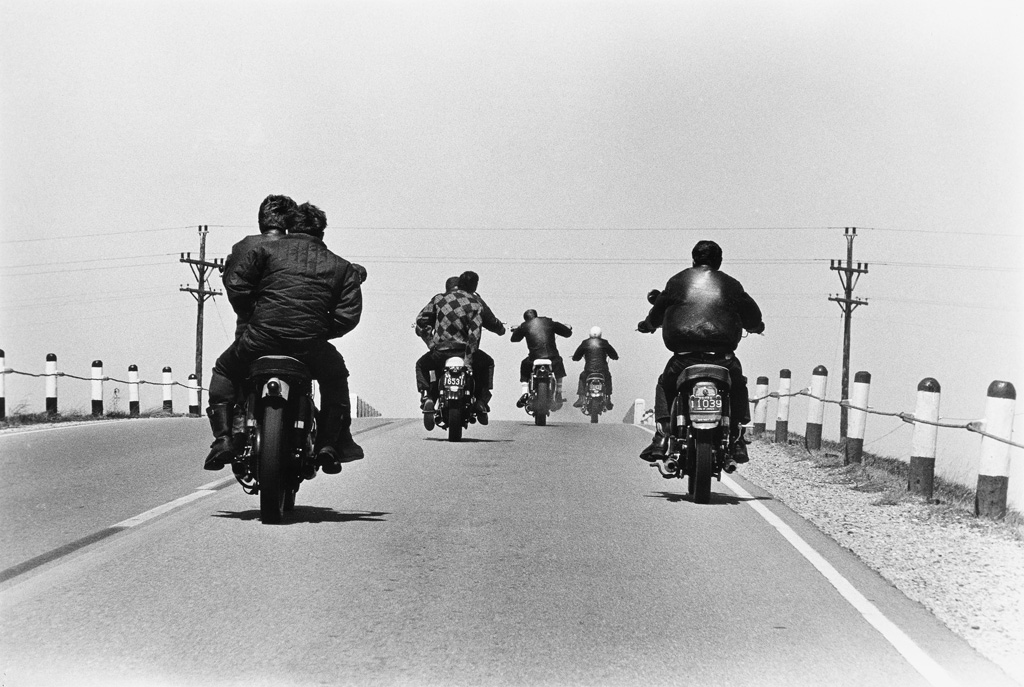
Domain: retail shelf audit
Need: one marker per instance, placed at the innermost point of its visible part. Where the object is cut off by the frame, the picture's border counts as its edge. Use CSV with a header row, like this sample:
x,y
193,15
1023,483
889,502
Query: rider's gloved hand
x,y
652,295
758,329
644,328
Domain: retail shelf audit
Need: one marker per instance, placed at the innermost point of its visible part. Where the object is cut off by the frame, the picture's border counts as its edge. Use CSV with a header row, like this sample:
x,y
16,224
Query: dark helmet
x,y
529,315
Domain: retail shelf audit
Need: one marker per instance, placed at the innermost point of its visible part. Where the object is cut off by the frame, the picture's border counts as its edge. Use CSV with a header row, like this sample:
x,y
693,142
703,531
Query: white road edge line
x,y
159,510
915,655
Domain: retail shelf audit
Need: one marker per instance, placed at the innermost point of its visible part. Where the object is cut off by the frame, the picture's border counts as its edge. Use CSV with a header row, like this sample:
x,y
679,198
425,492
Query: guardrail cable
x,y
9,371
976,426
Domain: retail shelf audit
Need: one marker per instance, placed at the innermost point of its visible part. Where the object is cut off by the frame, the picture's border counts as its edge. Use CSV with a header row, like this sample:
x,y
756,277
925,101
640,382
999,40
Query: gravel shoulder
x,y
968,572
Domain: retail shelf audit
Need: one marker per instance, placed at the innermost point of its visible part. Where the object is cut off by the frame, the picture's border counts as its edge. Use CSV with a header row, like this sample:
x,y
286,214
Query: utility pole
x,y
200,268
849,275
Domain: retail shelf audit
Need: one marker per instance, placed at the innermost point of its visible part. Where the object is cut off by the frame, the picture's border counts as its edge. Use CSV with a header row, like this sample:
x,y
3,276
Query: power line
x,y
88,236
82,262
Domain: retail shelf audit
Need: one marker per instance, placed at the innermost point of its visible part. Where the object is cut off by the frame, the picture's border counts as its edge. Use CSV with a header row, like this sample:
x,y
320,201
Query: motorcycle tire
x,y
289,500
454,423
542,404
703,467
271,466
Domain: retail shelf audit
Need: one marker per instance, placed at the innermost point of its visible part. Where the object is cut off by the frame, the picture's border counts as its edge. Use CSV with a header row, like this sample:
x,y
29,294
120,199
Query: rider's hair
x,y
468,281
450,284
707,253
312,220
276,212
529,314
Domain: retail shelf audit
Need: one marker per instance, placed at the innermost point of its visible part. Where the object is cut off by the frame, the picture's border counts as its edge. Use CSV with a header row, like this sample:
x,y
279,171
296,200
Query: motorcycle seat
x,y
541,361
700,372
279,365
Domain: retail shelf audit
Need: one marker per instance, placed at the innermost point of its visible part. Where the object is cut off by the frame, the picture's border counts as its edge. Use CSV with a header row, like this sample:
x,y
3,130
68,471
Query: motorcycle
x,y
541,398
698,433
280,432
455,409
594,403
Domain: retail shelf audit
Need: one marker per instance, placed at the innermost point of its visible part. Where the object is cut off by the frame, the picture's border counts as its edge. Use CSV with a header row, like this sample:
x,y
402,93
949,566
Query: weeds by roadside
x,y
888,477
20,419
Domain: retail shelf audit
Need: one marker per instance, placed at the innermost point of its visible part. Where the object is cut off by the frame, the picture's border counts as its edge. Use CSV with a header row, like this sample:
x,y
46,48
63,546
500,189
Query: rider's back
x,y
298,281
705,310
539,333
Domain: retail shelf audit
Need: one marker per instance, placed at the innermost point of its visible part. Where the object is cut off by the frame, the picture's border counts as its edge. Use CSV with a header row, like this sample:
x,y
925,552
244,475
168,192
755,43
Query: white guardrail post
x,y
782,421
3,388
193,395
168,387
816,408
921,479
857,419
994,466
760,406
97,388
51,384
133,390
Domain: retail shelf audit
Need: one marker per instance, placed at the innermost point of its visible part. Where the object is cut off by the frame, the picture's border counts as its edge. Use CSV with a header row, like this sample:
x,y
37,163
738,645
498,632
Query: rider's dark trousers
x,y
325,363
739,407
582,390
433,361
526,368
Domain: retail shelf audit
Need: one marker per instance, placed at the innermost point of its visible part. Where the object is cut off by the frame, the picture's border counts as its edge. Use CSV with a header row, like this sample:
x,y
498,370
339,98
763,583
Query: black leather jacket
x,y
539,333
596,353
704,309
293,291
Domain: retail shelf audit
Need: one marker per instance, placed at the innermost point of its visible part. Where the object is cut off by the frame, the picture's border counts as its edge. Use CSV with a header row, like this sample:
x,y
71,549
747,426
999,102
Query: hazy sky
x,y
570,152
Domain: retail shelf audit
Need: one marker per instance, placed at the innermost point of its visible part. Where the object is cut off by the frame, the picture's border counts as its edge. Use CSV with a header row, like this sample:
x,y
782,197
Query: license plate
x,y
705,404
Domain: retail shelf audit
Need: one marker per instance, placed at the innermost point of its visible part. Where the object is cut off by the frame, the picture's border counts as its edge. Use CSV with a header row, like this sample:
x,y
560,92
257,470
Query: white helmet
x,y
595,332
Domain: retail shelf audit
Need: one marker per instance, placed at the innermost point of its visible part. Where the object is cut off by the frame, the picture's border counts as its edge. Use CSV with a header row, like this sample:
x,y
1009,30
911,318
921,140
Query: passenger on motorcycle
x,y
457,320
596,351
295,295
424,364
539,333
702,312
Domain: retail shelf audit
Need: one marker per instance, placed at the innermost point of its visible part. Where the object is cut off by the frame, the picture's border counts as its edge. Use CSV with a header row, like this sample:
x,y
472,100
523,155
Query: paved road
x,y
521,556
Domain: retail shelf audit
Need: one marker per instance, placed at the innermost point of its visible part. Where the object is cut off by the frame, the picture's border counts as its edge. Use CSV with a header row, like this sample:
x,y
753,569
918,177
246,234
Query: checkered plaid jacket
x,y
457,318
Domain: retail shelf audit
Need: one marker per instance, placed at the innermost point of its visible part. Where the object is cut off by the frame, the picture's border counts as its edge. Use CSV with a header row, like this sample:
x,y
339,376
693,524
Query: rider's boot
x,y
427,406
221,450
578,403
738,444
482,408
521,403
348,449
328,460
238,433
659,444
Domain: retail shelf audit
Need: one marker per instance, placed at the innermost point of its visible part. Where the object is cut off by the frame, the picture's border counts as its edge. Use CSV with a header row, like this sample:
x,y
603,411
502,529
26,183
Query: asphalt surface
x,y
520,556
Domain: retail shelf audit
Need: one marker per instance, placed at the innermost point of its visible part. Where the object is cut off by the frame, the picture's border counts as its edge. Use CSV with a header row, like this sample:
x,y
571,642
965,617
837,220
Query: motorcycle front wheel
x,y
454,423
271,466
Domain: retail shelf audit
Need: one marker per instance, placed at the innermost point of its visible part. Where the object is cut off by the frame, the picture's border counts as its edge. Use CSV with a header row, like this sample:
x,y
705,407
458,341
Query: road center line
x,y
915,655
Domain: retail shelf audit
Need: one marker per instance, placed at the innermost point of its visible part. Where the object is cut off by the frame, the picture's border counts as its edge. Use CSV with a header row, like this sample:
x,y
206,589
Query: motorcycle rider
x,y
539,333
456,320
426,378
702,312
295,295
273,220
596,350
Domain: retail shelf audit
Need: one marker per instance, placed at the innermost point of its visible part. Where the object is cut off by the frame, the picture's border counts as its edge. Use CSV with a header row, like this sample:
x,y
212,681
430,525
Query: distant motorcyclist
x,y
424,364
702,312
457,320
539,333
596,351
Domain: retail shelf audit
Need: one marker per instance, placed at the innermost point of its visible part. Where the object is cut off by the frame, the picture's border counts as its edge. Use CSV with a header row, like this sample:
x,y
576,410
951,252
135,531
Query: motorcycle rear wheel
x,y
541,404
271,466
704,465
454,423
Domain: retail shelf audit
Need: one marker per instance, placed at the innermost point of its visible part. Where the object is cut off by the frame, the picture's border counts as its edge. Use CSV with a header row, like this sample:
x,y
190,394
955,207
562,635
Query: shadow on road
x,y
717,499
470,440
310,514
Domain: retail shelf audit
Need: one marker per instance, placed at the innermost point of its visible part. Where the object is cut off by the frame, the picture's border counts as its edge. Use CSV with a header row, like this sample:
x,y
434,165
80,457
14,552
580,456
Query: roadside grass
x,y
889,477
19,418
